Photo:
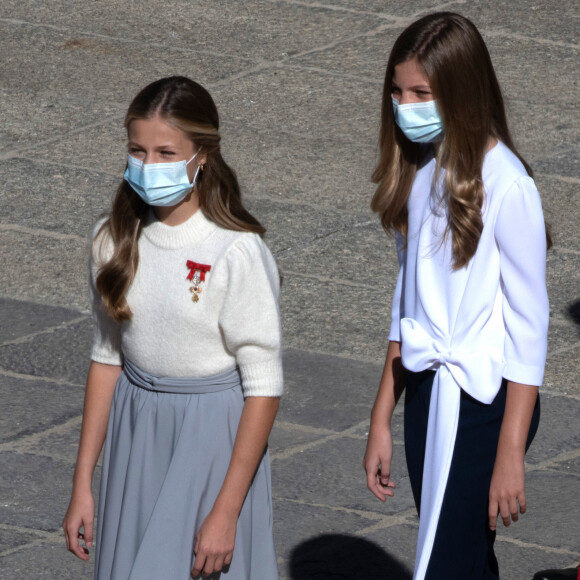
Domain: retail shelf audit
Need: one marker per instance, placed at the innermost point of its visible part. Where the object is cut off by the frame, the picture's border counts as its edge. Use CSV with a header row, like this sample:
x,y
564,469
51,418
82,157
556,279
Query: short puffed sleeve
x,y
250,316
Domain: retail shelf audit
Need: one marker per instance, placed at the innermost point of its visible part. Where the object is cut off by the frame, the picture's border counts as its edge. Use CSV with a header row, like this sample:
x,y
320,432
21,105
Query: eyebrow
x,y
412,88
166,146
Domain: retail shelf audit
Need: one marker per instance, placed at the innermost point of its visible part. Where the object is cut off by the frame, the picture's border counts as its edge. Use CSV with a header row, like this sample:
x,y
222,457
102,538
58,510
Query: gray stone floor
x,y
298,85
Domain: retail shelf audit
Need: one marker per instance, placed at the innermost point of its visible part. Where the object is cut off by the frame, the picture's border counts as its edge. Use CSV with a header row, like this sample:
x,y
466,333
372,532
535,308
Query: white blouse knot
x,y
477,373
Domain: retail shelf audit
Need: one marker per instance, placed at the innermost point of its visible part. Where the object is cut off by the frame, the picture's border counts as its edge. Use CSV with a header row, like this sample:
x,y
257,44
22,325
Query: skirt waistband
x,y
181,385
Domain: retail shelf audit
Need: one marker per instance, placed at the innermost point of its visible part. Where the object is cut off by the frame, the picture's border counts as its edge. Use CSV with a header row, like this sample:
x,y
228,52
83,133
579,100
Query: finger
x,y
492,514
505,513
377,490
372,484
386,481
514,509
75,548
218,564
88,535
378,483
381,491
65,535
522,502
228,558
198,565
209,567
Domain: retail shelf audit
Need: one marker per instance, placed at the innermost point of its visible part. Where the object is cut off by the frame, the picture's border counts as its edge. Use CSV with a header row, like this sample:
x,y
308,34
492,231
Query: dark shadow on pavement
x,y
341,557
574,311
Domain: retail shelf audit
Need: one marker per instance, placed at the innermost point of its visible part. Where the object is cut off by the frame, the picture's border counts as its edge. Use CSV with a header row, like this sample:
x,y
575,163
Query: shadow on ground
x,y
574,311
337,556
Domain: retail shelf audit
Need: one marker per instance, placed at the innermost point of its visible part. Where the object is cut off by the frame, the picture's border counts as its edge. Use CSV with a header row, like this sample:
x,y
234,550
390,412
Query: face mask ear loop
x,y
194,182
194,156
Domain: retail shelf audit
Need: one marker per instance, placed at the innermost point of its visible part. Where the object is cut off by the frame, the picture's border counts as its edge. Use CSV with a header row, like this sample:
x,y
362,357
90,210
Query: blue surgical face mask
x,y
420,122
160,184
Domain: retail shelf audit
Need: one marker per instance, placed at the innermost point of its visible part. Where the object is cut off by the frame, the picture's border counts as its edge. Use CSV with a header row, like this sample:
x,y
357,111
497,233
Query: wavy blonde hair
x,y
453,56
188,106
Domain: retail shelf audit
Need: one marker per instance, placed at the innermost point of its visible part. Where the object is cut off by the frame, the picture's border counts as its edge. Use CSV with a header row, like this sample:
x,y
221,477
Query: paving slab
x,y
12,538
31,116
557,512
44,269
45,560
62,354
57,186
557,432
559,197
34,491
33,406
343,319
20,319
399,540
562,279
562,160
306,226
306,102
298,523
327,391
332,474
550,24
99,68
562,372
316,169
517,562
181,24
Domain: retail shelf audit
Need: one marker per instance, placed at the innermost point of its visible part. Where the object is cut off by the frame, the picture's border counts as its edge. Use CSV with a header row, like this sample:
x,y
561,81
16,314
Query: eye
x,y
167,153
395,91
133,150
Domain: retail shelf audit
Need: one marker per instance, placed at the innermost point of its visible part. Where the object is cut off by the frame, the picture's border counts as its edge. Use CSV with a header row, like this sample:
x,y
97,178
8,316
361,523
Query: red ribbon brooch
x,y
196,275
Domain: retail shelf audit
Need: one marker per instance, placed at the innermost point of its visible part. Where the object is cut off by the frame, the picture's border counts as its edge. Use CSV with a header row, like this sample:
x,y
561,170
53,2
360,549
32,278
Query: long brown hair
x,y
453,56
188,106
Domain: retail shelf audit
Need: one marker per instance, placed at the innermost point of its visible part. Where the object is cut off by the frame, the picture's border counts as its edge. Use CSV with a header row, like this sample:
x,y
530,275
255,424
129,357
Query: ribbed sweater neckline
x,y
191,231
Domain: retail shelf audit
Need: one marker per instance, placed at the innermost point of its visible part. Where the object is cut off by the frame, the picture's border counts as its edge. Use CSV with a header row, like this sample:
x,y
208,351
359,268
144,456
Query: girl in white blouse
x,y
470,312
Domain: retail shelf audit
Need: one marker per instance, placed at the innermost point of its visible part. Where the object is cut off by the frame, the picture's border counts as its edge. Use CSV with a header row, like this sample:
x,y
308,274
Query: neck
x,y
177,214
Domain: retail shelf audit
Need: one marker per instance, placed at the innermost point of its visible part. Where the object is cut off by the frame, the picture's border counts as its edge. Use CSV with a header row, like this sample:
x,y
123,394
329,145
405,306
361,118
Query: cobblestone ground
x,y
298,85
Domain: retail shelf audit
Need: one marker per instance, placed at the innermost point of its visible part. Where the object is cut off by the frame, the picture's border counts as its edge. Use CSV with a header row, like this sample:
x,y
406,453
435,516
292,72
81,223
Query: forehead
x,y
155,129
410,73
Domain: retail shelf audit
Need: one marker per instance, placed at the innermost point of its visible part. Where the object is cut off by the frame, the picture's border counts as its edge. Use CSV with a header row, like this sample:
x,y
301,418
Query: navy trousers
x,y
463,547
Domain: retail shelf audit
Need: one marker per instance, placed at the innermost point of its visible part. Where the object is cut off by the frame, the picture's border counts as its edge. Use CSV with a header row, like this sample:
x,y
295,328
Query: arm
x,y
507,482
214,544
521,238
250,322
101,381
377,459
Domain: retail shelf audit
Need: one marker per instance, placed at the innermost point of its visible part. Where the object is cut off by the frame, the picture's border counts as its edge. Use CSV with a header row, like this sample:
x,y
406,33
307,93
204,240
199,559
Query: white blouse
x,y
474,325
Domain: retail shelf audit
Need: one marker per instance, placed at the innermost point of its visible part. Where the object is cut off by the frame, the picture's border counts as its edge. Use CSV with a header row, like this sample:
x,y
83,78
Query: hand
x,y
80,514
377,462
506,491
214,544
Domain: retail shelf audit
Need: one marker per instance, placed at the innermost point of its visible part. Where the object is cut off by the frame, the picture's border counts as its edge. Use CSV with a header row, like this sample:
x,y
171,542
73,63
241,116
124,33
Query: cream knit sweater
x,y
235,321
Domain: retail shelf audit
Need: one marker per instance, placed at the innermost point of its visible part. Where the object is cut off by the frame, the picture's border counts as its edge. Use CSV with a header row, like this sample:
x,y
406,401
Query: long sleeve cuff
x,y
523,373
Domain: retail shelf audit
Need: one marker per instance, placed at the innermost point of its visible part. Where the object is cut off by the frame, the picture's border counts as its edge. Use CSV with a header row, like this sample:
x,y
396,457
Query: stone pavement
x,y
298,85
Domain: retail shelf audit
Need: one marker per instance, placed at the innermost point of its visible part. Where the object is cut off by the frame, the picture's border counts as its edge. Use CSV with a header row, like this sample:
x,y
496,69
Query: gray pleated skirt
x,y
168,447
